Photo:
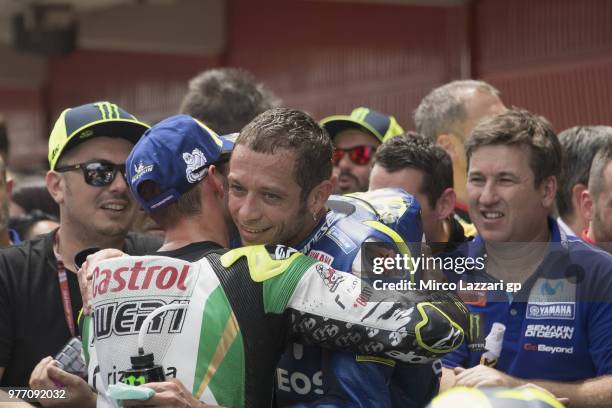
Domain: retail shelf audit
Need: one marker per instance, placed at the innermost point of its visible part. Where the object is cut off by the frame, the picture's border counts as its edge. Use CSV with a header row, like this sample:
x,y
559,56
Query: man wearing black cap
x,y
355,138
39,293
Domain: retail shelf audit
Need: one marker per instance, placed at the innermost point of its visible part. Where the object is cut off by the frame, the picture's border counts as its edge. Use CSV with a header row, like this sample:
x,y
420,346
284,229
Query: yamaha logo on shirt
x,y
552,310
552,299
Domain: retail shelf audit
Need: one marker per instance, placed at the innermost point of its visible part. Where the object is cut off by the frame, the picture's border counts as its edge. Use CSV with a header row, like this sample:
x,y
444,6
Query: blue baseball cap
x,y
174,154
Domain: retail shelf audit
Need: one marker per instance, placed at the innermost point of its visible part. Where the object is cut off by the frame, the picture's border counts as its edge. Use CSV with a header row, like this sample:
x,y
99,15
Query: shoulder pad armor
x,y
264,261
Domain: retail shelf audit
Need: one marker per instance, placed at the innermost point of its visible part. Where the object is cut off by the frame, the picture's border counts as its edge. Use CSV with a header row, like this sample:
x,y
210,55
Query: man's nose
x,y
250,209
118,184
489,193
345,162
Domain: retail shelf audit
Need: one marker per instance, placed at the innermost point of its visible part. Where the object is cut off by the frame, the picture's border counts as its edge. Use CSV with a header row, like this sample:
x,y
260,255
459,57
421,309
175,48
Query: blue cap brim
x,y
228,143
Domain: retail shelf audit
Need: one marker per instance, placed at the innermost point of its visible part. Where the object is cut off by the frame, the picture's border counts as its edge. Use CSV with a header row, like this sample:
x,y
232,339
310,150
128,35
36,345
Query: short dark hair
x,y
521,128
188,204
296,131
31,193
443,109
596,176
415,151
23,224
580,144
226,99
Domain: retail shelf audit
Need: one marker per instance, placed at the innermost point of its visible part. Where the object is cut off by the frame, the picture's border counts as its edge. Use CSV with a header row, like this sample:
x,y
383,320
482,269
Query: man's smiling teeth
x,y
254,231
114,207
492,215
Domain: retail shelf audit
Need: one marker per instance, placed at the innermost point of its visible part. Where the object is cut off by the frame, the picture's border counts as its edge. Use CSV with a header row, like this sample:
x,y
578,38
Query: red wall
x,y
147,85
328,58
22,109
551,56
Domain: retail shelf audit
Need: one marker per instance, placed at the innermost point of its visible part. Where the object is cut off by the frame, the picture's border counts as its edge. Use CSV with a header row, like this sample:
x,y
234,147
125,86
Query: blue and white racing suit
x,y
310,377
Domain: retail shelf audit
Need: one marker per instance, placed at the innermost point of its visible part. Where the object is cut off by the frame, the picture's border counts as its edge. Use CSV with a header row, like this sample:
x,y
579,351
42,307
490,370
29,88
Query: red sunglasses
x,y
360,155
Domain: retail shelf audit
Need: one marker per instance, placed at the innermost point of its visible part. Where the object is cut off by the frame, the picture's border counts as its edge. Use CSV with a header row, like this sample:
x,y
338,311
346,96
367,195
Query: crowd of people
x,y
229,247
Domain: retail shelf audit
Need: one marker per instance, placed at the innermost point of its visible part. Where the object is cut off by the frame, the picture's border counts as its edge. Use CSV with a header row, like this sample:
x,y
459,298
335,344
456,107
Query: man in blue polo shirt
x,y
556,331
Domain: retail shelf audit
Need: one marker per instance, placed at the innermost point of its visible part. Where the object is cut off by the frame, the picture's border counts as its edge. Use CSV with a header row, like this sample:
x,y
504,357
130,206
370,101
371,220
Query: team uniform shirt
x,y
32,321
565,228
234,313
311,376
558,326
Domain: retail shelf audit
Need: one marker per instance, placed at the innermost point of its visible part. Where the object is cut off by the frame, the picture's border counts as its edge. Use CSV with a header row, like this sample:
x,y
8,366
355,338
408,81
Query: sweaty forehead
x,y
263,170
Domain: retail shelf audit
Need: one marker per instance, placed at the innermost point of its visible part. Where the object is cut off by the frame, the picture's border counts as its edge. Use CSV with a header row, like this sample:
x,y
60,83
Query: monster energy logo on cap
x,y
381,126
78,124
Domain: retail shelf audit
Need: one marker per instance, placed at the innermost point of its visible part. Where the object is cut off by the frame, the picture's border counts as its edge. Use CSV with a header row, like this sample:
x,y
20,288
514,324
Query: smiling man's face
x,y
99,211
504,203
264,199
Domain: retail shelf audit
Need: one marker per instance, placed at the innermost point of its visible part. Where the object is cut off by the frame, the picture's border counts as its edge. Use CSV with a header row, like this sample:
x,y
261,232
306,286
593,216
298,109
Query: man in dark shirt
x,y
415,164
39,292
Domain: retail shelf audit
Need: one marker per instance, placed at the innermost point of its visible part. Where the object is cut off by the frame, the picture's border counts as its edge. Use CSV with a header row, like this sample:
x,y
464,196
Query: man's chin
x,y
347,189
254,241
494,236
113,229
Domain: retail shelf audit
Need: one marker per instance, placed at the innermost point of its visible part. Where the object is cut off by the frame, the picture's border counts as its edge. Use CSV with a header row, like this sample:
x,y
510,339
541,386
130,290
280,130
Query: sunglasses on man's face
x,y
360,155
96,173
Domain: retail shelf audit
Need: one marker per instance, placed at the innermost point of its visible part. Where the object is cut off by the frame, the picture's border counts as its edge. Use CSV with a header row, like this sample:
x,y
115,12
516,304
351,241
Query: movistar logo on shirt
x,y
554,310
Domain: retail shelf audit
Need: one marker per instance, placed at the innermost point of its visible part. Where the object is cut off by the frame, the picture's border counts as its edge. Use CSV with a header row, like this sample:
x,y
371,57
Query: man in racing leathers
x,y
331,378
242,306
279,183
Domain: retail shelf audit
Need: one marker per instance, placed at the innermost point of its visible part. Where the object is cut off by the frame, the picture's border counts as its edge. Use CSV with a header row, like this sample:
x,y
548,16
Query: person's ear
x,y
576,200
319,195
216,182
446,204
56,185
447,142
10,184
586,204
549,191
576,194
